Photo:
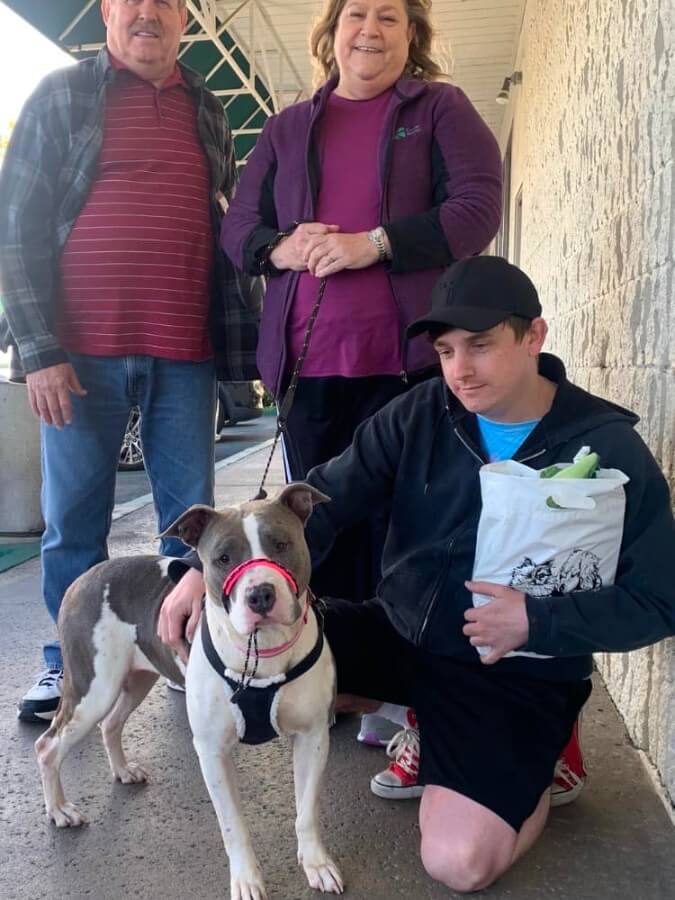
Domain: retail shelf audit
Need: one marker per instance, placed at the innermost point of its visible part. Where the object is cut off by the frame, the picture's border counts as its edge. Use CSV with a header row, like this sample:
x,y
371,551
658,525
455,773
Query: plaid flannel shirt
x,y
48,172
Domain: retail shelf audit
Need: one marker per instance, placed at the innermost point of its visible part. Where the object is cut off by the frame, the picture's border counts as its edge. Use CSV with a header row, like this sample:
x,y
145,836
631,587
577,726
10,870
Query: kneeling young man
x,y
491,728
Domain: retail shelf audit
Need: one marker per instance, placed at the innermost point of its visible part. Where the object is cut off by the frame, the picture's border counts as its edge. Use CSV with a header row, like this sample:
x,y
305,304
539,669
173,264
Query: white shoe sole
x,y
371,740
562,798
35,718
376,731
387,792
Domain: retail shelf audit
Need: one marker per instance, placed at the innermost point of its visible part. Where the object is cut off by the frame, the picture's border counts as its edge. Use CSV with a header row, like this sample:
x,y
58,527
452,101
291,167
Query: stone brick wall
x,y
593,148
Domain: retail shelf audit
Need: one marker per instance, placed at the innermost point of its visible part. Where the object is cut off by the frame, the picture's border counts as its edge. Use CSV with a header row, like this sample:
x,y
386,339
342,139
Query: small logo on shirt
x,y
404,132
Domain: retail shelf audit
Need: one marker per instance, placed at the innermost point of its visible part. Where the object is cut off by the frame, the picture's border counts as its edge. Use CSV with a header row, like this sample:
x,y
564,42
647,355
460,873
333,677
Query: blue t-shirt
x,y
502,439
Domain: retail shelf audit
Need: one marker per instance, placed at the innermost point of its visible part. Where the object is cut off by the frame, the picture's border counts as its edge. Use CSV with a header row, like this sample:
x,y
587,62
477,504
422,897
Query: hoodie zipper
x,y
522,459
460,438
435,594
448,554
525,459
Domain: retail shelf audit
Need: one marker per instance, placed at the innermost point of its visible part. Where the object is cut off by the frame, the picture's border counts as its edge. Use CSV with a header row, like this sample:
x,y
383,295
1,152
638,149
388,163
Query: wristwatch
x,y
376,236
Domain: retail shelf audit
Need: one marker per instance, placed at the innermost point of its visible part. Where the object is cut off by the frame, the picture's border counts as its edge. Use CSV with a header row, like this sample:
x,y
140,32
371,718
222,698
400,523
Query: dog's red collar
x,y
239,570
236,574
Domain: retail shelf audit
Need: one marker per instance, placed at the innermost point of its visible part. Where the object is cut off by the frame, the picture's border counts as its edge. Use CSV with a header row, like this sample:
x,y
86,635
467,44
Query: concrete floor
x,y
161,841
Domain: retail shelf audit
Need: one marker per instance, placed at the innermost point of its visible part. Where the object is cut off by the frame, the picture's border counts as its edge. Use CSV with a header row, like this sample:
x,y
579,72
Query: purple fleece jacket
x,y
440,169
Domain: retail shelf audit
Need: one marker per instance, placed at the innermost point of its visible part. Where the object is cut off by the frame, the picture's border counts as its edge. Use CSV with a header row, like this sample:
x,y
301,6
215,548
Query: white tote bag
x,y
546,549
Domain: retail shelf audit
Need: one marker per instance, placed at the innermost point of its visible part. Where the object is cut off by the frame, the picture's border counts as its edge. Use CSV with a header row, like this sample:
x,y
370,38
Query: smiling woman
x,y
413,14
393,175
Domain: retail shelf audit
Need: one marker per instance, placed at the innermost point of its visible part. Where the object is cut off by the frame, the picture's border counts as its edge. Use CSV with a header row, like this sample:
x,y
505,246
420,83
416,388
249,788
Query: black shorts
x,y
490,735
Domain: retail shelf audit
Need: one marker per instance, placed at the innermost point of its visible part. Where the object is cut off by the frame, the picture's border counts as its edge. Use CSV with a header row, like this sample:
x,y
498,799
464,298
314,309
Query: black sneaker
x,y
40,703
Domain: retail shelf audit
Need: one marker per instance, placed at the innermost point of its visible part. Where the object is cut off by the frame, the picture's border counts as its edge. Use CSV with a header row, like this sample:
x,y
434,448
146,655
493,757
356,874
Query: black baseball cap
x,y
478,293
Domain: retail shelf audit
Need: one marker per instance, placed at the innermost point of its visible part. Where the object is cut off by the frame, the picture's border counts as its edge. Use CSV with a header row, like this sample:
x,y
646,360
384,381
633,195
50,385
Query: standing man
x,y
115,292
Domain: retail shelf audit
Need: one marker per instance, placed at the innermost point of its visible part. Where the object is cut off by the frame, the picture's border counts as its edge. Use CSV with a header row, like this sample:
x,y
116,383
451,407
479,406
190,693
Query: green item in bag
x,y
585,465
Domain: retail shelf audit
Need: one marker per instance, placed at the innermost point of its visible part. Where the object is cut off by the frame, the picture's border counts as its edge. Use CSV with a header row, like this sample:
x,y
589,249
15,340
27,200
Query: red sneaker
x,y
570,773
399,780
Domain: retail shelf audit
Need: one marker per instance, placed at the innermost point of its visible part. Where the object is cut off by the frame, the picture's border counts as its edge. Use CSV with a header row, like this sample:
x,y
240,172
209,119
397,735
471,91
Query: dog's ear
x,y
190,526
301,498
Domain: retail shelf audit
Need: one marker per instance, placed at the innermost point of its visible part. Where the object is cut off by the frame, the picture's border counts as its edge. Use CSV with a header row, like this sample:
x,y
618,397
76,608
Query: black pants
x,y
321,424
488,733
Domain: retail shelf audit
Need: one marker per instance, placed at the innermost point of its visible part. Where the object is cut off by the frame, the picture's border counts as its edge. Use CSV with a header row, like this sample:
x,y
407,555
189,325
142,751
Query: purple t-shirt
x,y
357,331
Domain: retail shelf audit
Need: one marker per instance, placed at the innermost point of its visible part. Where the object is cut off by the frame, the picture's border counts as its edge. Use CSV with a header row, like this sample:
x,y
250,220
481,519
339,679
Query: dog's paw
x,y
131,774
65,815
324,877
251,888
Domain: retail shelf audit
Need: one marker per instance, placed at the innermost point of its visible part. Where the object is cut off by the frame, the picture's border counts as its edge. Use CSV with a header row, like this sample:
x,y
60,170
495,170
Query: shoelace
x,y
50,678
404,748
564,773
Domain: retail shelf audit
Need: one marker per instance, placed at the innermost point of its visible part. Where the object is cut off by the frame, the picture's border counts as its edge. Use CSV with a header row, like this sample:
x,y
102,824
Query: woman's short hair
x,y
420,60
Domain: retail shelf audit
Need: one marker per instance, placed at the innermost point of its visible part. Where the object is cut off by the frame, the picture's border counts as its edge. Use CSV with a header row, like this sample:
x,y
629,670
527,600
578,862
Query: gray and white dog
x,y
258,633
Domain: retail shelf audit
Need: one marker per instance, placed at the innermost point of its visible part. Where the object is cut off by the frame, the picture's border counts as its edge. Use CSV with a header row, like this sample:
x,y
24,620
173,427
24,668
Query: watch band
x,y
376,236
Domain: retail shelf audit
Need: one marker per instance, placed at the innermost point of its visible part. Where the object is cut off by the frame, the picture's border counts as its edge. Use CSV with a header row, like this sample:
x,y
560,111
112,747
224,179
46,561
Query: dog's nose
x,y
260,598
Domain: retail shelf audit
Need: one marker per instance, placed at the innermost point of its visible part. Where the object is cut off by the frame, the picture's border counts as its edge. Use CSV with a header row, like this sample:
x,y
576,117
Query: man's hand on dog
x,y
180,612
501,624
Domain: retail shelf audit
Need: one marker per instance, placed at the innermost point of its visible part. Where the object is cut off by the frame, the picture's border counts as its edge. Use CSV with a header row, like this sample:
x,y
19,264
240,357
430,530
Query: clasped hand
x,y
501,624
321,250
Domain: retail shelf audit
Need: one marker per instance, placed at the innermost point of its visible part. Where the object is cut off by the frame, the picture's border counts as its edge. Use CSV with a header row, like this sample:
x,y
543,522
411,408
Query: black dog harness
x,y
255,699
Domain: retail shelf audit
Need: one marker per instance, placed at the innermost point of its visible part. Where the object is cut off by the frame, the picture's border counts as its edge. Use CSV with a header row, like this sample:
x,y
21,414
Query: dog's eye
x,y
281,546
225,559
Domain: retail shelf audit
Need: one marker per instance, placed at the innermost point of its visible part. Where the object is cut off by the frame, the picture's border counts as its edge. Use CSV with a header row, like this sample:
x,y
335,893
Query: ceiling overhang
x,y
254,54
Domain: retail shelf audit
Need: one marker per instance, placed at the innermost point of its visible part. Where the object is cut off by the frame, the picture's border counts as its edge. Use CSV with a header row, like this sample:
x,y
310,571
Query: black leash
x,y
246,676
289,396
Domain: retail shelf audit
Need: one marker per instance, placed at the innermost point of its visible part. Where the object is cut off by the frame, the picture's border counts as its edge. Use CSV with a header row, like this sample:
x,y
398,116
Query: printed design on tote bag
x,y
579,571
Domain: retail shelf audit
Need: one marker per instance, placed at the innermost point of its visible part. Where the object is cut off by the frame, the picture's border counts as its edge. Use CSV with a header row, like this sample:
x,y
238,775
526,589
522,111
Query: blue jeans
x,y
79,463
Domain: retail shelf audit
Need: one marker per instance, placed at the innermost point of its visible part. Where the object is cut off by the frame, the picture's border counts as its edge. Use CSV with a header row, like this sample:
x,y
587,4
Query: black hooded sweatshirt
x,y
421,456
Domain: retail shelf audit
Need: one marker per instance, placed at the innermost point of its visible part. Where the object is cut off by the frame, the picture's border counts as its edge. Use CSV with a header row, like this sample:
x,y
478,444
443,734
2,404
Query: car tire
x,y
220,416
131,451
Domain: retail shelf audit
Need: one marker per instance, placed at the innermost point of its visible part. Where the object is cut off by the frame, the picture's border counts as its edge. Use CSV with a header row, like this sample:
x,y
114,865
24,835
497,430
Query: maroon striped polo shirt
x,y
137,264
